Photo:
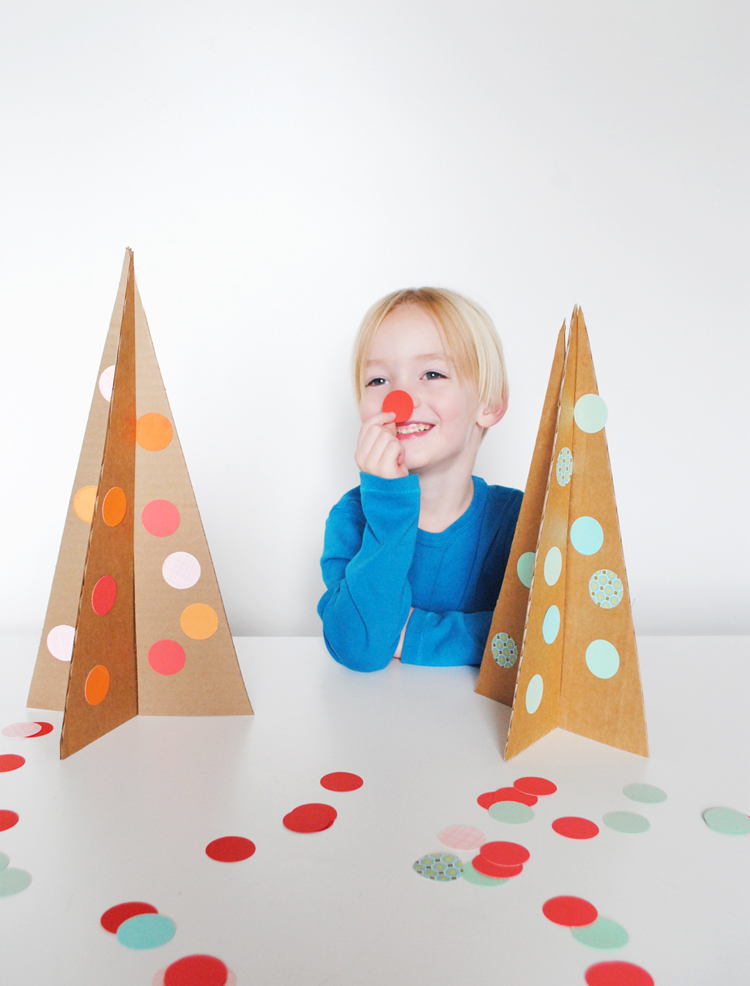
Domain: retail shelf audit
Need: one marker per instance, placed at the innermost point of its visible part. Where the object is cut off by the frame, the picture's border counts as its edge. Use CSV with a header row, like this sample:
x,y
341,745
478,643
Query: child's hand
x,y
379,452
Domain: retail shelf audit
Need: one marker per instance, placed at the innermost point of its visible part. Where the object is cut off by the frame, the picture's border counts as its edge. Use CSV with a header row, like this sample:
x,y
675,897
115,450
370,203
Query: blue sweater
x,y
377,564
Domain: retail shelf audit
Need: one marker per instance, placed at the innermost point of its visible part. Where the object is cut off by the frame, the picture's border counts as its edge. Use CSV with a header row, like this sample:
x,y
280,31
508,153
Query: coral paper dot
x,y
114,917
572,912
538,786
310,818
153,431
196,970
230,849
500,872
7,819
166,657
160,518
199,621
575,828
104,595
617,974
84,502
10,761
97,685
60,641
22,730
340,780
400,402
504,853
114,507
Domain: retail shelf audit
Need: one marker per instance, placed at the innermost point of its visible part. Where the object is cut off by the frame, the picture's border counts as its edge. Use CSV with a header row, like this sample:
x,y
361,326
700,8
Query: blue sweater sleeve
x,y
445,639
365,565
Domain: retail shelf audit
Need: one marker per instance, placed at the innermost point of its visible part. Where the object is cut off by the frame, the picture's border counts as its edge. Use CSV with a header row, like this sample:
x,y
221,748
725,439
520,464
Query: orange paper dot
x,y
199,621
114,506
153,431
97,685
84,502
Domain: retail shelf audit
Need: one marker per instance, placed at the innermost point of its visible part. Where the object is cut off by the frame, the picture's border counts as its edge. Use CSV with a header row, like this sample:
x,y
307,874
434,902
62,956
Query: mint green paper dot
x,y
602,660
647,794
525,567
512,812
727,820
13,882
534,692
551,625
146,931
474,876
586,535
590,413
602,933
626,821
552,565
4,860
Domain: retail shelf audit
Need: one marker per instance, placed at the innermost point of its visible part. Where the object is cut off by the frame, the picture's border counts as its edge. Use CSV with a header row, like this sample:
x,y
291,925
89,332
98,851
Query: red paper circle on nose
x,y
341,780
535,785
104,595
617,974
230,849
483,865
310,818
114,917
196,970
504,853
572,912
575,828
400,402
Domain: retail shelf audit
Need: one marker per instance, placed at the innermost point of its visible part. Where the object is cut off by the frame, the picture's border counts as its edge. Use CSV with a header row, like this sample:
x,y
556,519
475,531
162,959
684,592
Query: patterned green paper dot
x,y
512,812
647,794
626,821
474,876
146,931
4,860
13,882
564,467
606,589
439,866
525,567
727,820
602,933
504,650
590,413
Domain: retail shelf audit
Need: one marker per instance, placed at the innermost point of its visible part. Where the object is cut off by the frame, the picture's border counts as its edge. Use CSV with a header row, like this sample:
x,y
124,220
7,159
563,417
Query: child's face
x,y
447,422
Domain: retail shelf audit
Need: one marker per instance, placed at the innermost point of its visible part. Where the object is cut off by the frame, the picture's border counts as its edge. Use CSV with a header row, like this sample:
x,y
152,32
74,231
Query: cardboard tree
x,y
561,649
135,621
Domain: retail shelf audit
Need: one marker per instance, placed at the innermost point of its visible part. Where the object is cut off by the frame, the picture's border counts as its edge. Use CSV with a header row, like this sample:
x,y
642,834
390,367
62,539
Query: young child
x,y
414,557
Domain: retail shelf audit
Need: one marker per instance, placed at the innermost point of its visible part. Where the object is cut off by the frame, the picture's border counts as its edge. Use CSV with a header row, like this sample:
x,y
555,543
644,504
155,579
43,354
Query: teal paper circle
x,y
474,876
564,467
439,866
586,535
602,933
13,881
551,625
504,650
606,589
525,567
552,565
4,860
726,820
646,794
146,931
626,821
534,692
602,659
510,812
590,413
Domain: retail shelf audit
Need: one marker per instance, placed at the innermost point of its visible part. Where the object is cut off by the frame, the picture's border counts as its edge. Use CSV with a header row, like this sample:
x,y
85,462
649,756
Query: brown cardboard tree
x,y
135,621
561,649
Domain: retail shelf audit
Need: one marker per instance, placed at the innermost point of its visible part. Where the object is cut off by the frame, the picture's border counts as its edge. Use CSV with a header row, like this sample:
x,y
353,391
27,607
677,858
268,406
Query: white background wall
x,y
278,165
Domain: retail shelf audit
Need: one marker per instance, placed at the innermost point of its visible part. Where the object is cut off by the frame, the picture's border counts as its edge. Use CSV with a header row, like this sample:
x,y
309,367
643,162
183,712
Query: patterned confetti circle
x,y
504,650
605,588
564,467
462,837
440,866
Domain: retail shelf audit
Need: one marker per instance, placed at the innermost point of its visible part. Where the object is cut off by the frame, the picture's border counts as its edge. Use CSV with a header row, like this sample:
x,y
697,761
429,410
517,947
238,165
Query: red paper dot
x,y
504,853
166,657
310,818
575,828
196,970
340,780
483,865
230,849
104,595
160,518
114,917
11,761
7,819
505,794
617,974
47,727
539,786
400,402
572,912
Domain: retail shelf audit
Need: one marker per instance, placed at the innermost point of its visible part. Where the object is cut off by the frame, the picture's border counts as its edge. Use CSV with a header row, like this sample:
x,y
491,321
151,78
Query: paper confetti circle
x,y
552,565
506,794
602,933
166,657
104,595
727,820
196,970
4,860
525,568
341,780
474,876
10,761
113,917
312,817
199,621
106,382
146,931
84,503
602,659
586,535
534,693
60,641
181,570
627,821
439,866
551,625
160,518
7,819
153,432
46,727
564,467
605,588
114,507
617,974
536,786
497,870
13,881
511,812
97,685
230,849
400,402
505,853
462,837
571,912
590,413
158,979
22,730
504,650
573,827
646,794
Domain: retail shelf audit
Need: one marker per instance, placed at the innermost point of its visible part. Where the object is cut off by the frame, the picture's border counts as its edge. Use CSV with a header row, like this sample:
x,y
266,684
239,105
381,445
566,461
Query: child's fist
x,y
379,452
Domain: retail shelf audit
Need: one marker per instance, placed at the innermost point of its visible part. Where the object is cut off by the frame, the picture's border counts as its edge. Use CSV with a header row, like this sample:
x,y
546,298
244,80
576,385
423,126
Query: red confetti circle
x,y
166,657
575,828
104,595
539,786
572,912
114,917
310,818
340,780
47,727
11,761
7,819
483,865
400,402
504,853
196,970
505,794
617,974
230,849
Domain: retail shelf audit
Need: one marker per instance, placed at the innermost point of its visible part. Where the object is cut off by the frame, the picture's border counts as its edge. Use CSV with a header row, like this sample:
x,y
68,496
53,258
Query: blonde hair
x,y
467,333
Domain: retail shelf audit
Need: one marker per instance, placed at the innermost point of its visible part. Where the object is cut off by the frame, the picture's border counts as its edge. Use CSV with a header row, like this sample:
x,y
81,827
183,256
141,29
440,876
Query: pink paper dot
x,y
166,657
22,730
160,518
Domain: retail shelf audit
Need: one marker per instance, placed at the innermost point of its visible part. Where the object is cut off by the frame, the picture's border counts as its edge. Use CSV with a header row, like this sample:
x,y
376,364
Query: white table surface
x,y
128,818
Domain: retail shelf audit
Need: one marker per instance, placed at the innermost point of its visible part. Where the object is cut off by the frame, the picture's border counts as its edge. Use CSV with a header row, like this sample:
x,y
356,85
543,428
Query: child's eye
x,y
434,375
376,382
